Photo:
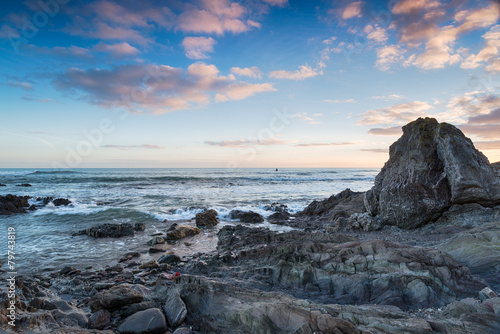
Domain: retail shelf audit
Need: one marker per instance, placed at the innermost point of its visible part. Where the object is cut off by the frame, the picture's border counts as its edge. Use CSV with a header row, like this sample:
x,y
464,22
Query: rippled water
x,y
149,196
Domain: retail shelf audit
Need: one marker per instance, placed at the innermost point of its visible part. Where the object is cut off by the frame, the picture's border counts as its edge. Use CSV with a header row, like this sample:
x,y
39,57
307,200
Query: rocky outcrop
x,y
342,205
108,231
221,307
331,268
11,204
479,249
246,216
207,218
431,167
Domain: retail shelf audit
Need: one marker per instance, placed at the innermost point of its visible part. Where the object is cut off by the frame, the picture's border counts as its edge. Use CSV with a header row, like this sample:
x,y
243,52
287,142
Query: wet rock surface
x,y
109,231
207,218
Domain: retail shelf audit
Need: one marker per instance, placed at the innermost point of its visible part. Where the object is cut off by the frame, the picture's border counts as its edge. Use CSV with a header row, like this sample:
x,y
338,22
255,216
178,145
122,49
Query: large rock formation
x,y
431,167
332,268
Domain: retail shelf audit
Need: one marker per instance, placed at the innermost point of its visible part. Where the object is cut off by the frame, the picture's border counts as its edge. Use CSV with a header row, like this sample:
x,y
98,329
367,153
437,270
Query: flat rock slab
x,y
150,321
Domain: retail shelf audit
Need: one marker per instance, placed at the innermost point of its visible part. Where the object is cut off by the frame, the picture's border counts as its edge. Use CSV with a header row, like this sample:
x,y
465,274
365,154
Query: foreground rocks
x,y
112,230
431,167
331,268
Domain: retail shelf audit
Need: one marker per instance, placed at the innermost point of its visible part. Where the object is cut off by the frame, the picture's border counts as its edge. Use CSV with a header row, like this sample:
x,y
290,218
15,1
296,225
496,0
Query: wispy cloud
x,y
304,72
198,47
155,88
325,144
487,145
246,142
128,147
390,131
118,50
341,101
252,72
24,85
303,116
375,150
389,97
395,114
352,10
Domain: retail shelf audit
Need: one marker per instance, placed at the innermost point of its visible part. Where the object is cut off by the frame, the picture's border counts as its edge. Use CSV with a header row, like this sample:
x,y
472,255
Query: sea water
x,y
44,237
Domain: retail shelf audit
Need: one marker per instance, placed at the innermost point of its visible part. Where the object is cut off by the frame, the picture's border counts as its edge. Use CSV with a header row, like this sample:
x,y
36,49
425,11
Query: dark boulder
x,y
139,227
11,204
108,231
207,218
246,216
61,202
431,167
341,205
23,185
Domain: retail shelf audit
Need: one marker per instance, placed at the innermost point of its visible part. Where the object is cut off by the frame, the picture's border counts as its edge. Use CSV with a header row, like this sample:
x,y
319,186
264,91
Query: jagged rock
x,y
207,218
431,167
109,231
327,268
343,204
114,298
11,204
181,231
175,309
358,222
151,321
169,259
246,216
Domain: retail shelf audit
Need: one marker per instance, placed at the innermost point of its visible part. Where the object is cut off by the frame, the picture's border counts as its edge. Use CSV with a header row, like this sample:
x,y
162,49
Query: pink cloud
x,y
198,47
252,72
304,72
156,88
118,50
352,10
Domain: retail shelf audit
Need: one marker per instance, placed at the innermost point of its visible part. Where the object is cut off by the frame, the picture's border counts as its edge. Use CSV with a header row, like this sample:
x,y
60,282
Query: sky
x,y
235,84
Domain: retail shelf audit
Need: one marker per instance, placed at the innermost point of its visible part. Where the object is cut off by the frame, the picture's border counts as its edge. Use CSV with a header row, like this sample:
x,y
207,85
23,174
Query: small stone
x,y
139,227
156,240
170,259
154,250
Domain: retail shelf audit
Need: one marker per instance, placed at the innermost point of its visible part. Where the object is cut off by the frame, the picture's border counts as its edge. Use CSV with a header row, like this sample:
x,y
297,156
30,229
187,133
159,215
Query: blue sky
x,y
259,83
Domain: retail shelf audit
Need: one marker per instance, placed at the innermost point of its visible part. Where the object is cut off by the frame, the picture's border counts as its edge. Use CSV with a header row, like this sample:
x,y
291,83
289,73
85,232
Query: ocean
x,y
44,237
